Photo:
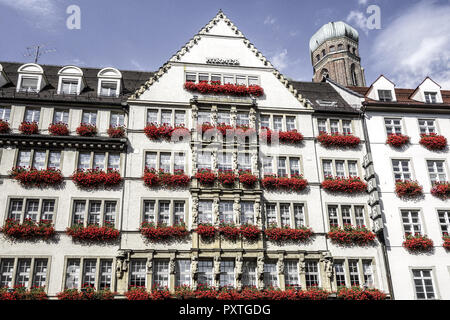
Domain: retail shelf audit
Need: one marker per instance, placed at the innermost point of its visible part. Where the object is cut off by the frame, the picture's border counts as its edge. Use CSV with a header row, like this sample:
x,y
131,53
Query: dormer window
x,y
29,84
109,82
31,78
70,80
108,88
385,95
430,97
69,86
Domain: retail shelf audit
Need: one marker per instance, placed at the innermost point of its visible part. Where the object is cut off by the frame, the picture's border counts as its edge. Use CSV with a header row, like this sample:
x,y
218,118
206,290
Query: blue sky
x,y
413,41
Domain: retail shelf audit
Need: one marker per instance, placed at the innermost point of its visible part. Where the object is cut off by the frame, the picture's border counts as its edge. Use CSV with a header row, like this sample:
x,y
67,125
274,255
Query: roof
x,y
131,80
332,30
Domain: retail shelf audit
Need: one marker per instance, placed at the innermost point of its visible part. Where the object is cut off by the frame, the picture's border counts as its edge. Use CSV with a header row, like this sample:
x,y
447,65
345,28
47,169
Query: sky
x,y
410,42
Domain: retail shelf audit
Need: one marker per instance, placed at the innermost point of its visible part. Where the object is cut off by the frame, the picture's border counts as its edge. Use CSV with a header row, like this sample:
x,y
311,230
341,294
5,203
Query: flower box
x,y
87,292
226,178
206,231
441,190
137,293
162,232
95,178
351,235
250,231
229,231
224,129
244,131
176,180
418,243
87,130
357,293
295,183
227,89
93,233
338,140
286,137
247,178
116,132
29,127
346,185
4,126
287,234
397,140
408,189
446,243
22,293
157,132
37,178
28,229
58,129
433,141
205,177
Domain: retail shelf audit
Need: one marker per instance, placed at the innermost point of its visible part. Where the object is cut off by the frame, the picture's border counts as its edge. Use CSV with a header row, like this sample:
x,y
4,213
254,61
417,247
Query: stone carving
x,y
214,161
194,161
172,266
302,265
149,265
194,210
260,267
252,118
217,266
215,212
235,162
214,115
239,264
194,267
237,210
257,209
233,116
280,266
254,162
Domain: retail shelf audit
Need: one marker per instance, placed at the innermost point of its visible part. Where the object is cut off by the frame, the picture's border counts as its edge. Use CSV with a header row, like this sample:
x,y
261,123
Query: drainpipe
x,y
381,237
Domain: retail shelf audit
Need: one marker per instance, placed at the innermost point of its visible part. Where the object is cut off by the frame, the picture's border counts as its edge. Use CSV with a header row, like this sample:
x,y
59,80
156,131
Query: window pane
x,y
79,209
150,160
39,160
247,212
61,116
312,274
205,212
183,273
164,161
32,209
108,88
249,274
285,215
15,209
291,273
299,215
72,273
290,123
54,159
23,272
179,216
84,160
89,271
110,213
180,118
40,273
164,212
5,113
89,118
277,123
114,161
149,211
226,278
94,213
29,84
226,211
282,172
166,117
205,272
32,115
105,274
271,213
48,210
179,162
152,116
161,274
294,164
99,161
6,269
117,119
23,160
270,275
137,272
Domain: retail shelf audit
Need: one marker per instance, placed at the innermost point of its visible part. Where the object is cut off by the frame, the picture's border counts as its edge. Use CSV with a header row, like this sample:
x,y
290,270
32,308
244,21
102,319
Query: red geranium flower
x,y
87,130
347,185
58,129
116,132
408,189
4,126
229,89
397,140
351,235
441,190
418,243
29,127
93,233
338,140
433,141
37,178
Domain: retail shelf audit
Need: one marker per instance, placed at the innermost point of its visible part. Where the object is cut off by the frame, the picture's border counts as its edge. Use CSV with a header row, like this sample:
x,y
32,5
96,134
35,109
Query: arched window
x,y
323,53
353,74
340,47
324,73
332,49
354,51
318,57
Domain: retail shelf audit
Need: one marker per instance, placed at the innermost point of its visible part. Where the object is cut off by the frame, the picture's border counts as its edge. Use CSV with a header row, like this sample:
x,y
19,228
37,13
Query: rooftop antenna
x,y
36,51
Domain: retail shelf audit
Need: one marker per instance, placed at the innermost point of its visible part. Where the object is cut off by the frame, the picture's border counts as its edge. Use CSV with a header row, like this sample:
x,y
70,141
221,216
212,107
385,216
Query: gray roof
x,y
332,30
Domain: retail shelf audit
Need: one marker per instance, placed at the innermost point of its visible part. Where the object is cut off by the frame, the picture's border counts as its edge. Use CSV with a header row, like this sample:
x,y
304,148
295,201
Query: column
x,y
280,269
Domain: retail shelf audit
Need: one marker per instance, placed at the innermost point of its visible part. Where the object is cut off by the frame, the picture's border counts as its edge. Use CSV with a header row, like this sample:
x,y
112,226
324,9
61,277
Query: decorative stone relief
x,y
214,161
260,271
237,210
216,216
194,211
194,160
280,265
257,209
172,266
214,115
233,116
252,118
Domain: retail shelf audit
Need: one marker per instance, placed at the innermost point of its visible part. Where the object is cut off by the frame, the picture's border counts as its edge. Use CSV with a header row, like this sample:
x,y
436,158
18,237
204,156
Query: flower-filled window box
x,y
37,178
296,183
86,130
226,178
227,89
357,293
433,141
338,140
408,189
247,178
95,178
206,231
28,229
162,232
87,292
446,243
22,293
250,231
351,235
223,128
286,137
156,132
205,176
288,234
244,131
29,127
418,243
4,126
58,129
346,185
137,293
93,233
229,231
153,179
397,140
205,126
441,190
116,132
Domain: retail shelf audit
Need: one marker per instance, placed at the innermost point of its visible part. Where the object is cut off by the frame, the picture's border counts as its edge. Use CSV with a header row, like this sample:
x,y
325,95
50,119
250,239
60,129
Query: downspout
x,y
381,238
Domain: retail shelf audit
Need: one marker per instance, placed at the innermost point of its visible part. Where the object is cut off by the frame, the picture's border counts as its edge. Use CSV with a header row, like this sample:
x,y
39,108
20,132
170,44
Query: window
x,y
427,126
137,273
285,215
39,159
436,171
23,272
267,166
223,117
161,273
149,211
226,212
203,77
152,116
291,277
32,115
340,168
69,86
423,284
346,214
191,77
34,209
270,275
339,273
247,212
205,272
368,273
340,47
180,118
444,221
244,161
278,123
40,273
312,274
271,213
411,222
242,119
169,211
322,125
108,88
99,212
346,126
299,215
105,274
285,166
226,273
89,117
264,121
393,126
205,212
100,160
253,81
203,117
164,212
401,170
29,84
5,113
430,97
359,272
334,125
183,273
25,275
117,119
204,160
6,269
385,95
179,212
354,273
73,274
290,123
228,79
281,167
332,48
249,274
224,161
61,116
216,78
241,80
89,272
166,117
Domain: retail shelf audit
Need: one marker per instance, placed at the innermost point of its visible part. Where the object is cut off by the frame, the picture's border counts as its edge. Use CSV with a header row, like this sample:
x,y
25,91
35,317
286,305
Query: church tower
x,y
335,55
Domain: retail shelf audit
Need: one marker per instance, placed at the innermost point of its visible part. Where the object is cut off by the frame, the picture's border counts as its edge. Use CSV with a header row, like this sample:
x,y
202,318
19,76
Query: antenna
x,y
36,51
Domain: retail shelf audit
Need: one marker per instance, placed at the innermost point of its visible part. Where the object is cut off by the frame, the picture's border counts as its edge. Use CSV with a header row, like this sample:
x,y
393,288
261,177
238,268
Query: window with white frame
x,y
393,126
411,222
299,215
204,160
444,221
224,161
61,116
116,119
167,161
385,95
340,168
29,272
284,166
226,278
191,77
32,115
430,97
226,212
340,215
247,212
401,169
203,117
164,211
94,212
423,283
39,159
354,273
288,211
436,171
270,274
249,273
100,160
339,273
205,272
285,214
69,86
291,276
368,273
335,125
35,209
109,88
427,126
29,84
205,212
161,273
5,113
244,161
312,274
242,119
182,272
223,118
246,80
72,274
278,122
180,118
137,273
166,116
89,117
271,213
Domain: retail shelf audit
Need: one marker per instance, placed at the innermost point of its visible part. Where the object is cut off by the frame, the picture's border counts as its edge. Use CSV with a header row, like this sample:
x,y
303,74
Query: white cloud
x,y
362,2
41,14
415,45
280,59
270,20
358,19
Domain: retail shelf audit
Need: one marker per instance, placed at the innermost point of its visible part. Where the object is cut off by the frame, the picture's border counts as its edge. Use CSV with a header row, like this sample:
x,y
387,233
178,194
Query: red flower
x,y
4,126
153,179
28,229
58,129
19,292
93,233
338,140
441,190
229,89
287,234
95,178
357,293
286,137
162,232
247,178
116,132
408,189
137,293
397,140
29,127
205,176
250,231
206,231
348,185
418,243
37,178
229,231
226,178
350,235
446,239
87,130
296,183
87,292
433,141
